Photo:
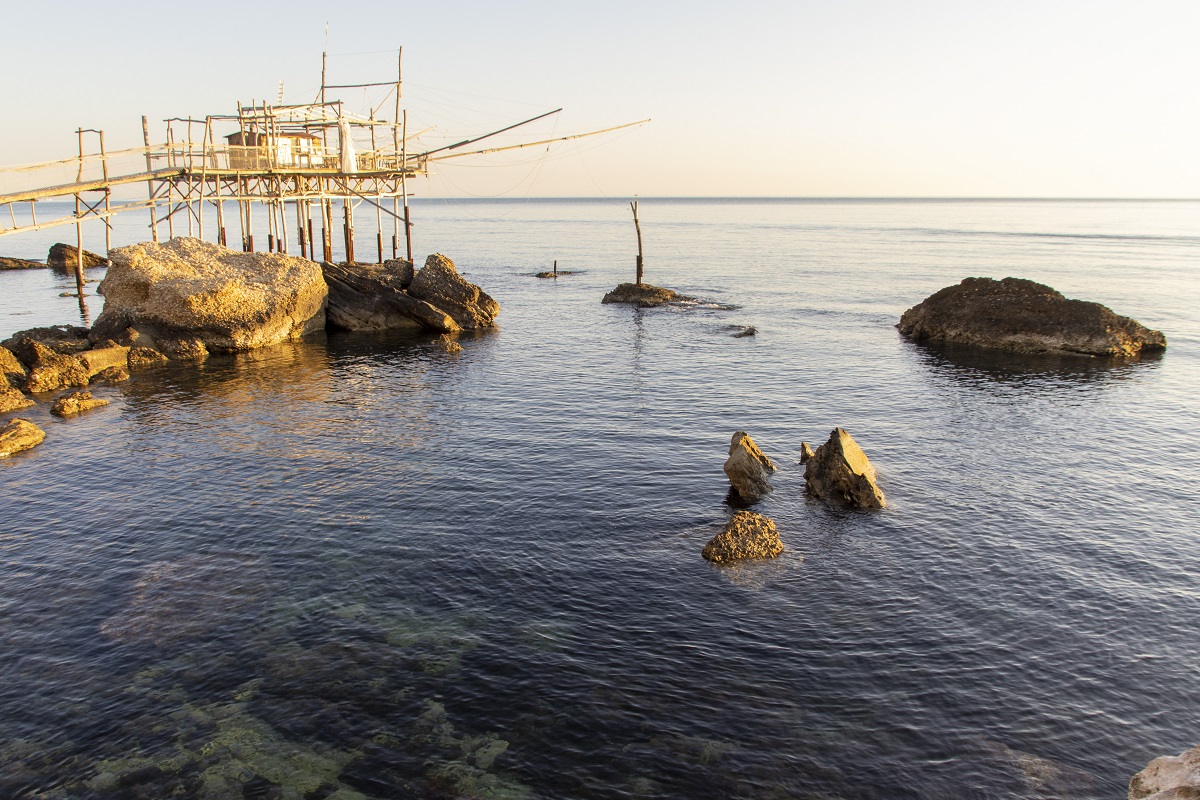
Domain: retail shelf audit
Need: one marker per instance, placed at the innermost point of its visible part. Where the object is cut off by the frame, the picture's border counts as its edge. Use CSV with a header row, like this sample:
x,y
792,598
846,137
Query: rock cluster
x,y
1025,317
1168,778
748,469
747,535
642,295
839,470
19,434
187,297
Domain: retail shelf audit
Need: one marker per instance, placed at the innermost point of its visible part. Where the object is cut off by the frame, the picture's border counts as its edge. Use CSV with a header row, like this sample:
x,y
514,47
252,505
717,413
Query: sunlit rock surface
x,y
747,535
748,469
840,471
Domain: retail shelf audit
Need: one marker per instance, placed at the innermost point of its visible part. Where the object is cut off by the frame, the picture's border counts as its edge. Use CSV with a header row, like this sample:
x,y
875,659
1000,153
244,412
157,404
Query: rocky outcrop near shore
x,y
1025,317
439,284
642,295
1168,778
840,471
747,535
19,435
7,263
188,297
64,256
372,297
748,468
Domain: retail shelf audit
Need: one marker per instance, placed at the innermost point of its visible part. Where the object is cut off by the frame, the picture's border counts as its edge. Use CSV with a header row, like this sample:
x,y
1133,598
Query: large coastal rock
x,y
1025,317
371,297
439,284
63,257
642,295
1168,778
747,535
748,469
839,470
188,296
18,435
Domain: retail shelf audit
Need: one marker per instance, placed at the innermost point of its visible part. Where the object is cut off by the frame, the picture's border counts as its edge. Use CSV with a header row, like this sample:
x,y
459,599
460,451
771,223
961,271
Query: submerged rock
x,y
748,469
1025,317
371,297
439,284
63,256
13,399
18,435
747,535
75,403
839,470
187,293
642,295
1168,778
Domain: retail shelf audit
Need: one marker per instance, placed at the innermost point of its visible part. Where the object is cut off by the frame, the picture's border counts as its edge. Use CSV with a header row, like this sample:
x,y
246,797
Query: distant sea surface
x,y
362,566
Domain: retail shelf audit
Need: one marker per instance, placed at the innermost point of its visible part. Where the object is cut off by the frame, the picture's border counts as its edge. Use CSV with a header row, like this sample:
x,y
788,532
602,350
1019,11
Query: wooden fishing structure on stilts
x,y
275,156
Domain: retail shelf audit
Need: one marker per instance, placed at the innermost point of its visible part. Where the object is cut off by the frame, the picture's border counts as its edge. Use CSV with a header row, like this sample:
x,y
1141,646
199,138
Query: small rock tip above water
x,y
643,295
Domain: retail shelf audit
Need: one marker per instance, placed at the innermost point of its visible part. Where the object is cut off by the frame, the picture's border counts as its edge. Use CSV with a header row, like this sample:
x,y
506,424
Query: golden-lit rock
x,y
439,284
748,469
18,435
840,471
13,399
642,295
75,403
747,535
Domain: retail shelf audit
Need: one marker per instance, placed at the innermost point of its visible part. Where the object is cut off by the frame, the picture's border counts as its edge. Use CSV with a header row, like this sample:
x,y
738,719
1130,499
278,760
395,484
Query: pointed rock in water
x,y
642,295
13,399
839,470
439,284
75,403
1025,317
747,535
1168,778
19,434
63,257
190,297
748,468
806,452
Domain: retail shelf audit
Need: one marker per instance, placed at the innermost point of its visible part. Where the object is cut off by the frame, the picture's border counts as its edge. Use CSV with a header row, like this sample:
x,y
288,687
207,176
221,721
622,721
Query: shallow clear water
x,y
360,563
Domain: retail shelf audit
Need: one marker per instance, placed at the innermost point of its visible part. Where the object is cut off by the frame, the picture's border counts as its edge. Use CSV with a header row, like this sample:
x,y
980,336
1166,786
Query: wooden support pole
x,y
638,227
107,197
404,187
79,226
348,228
150,181
270,226
170,185
327,227
283,226
312,243
300,232
220,214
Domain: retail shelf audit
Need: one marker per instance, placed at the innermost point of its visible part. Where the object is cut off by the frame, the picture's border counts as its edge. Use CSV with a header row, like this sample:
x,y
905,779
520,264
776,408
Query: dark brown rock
x,y
20,263
840,471
1025,317
18,435
439,284
371,297
75,403
13,399
642,295
748,469
49,371
66,339
63,257
747,535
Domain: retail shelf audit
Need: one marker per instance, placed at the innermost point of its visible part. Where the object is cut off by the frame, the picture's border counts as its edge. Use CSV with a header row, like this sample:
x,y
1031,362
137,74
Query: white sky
x,y
1056,98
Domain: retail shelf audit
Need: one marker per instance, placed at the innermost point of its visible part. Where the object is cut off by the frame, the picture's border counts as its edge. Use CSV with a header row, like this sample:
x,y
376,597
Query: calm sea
x,y
361,566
